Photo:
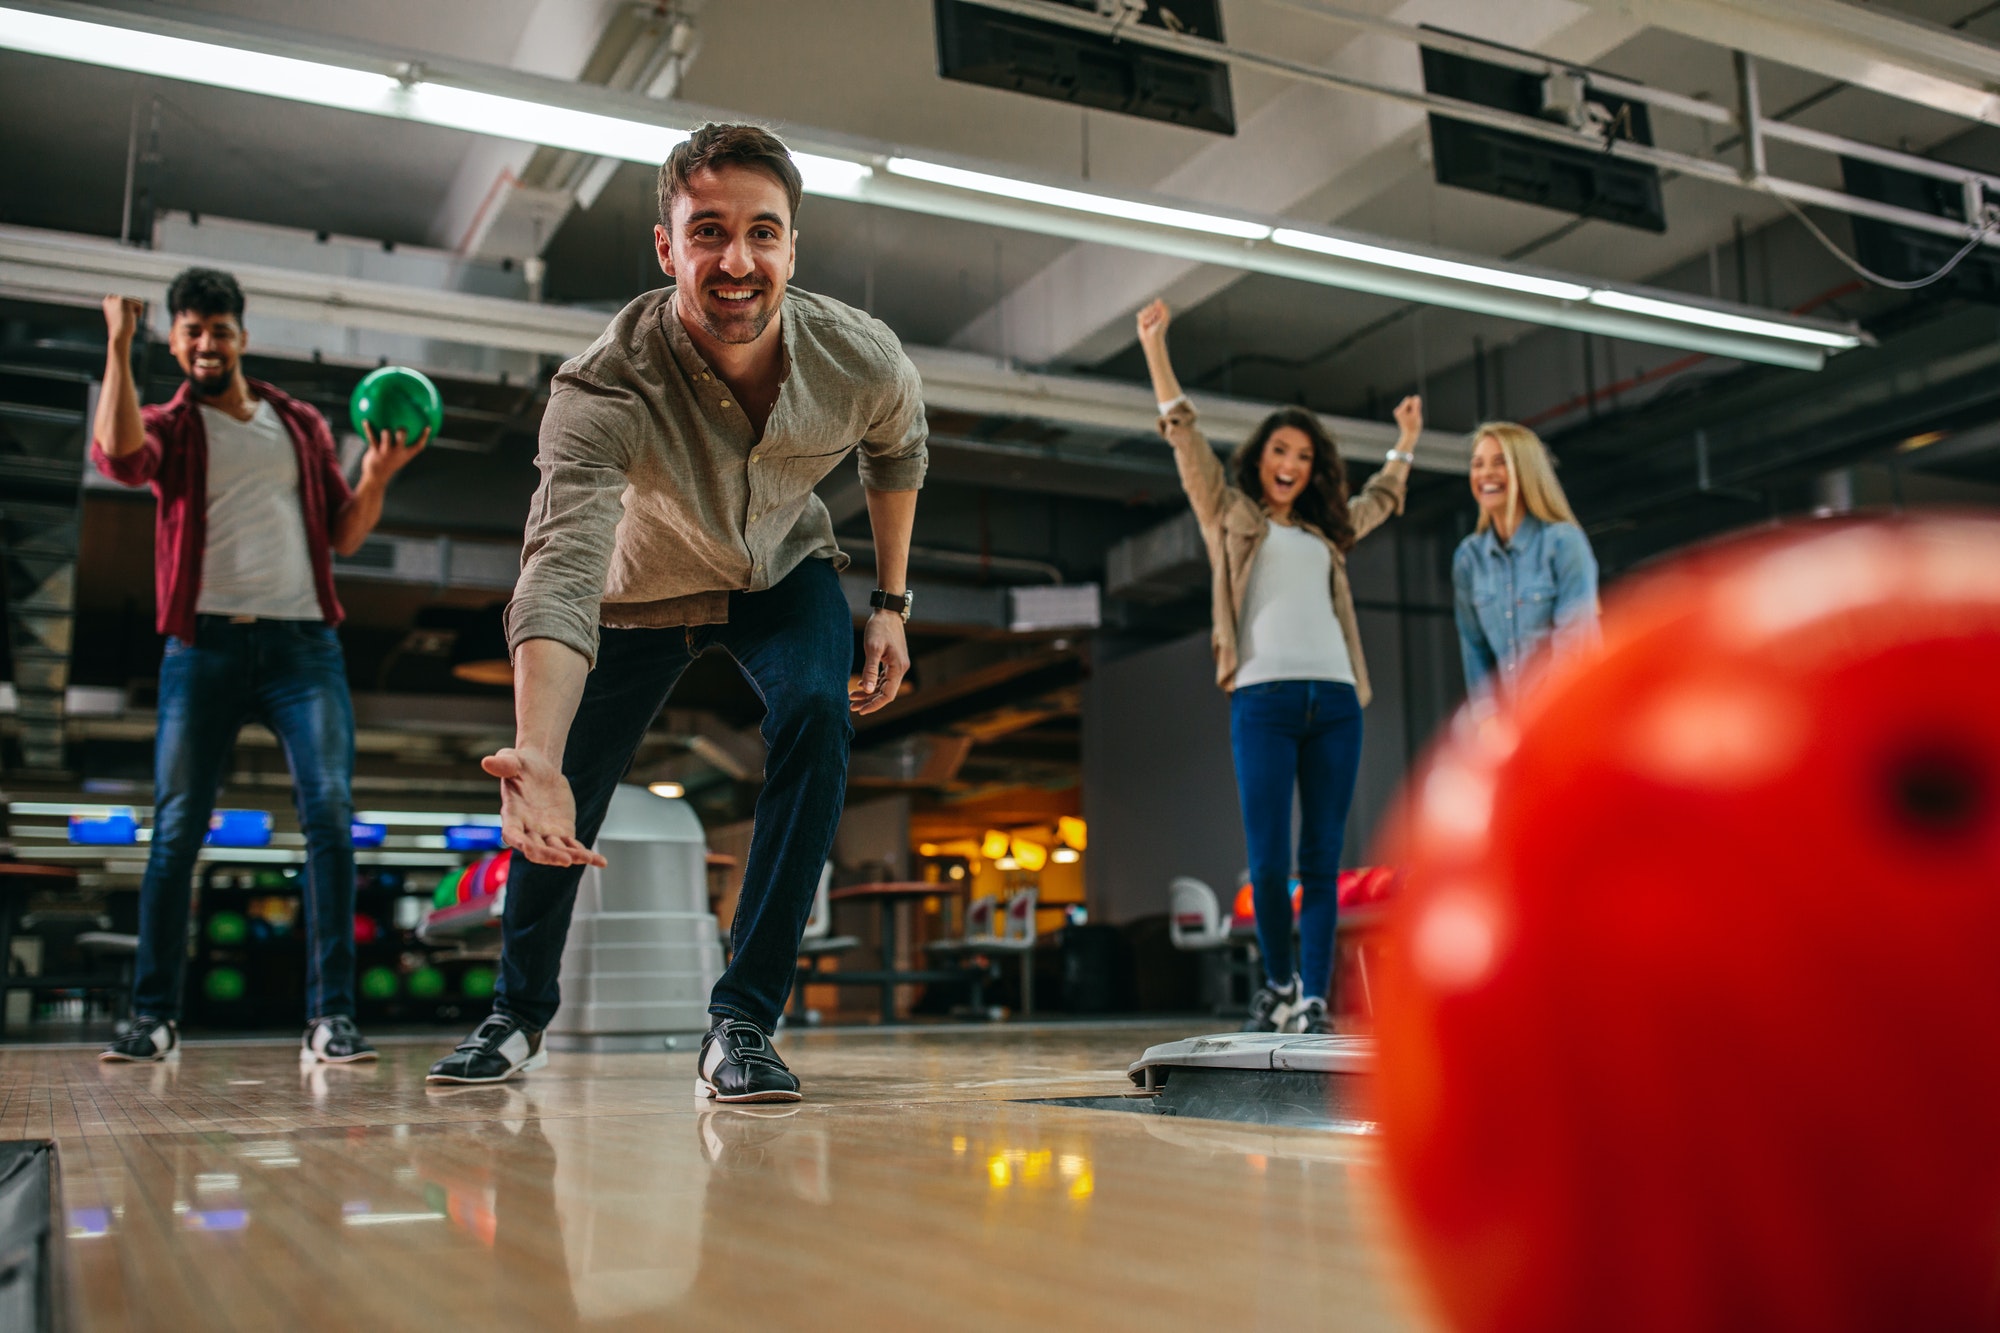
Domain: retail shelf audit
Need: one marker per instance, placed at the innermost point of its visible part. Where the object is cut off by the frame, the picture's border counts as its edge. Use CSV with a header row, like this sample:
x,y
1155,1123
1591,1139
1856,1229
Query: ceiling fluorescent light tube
x,y
196,62
536,122
1341,248
1722,319
831,175
1132,210
336,86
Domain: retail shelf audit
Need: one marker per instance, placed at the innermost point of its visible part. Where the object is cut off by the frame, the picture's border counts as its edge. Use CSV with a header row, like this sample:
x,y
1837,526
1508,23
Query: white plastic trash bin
x,y
643,952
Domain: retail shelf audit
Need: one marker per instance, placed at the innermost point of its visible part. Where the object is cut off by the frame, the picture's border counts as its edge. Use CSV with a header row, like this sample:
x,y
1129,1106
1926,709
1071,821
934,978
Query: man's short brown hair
x,y
715,145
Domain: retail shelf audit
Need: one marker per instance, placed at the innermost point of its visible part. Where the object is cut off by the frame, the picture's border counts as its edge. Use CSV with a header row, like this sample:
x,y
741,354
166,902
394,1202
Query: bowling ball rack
x,y
248,967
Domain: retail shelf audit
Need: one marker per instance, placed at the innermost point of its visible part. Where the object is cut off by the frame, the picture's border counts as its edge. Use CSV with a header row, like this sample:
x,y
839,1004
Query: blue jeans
x,y
289,675
795,644
1303,733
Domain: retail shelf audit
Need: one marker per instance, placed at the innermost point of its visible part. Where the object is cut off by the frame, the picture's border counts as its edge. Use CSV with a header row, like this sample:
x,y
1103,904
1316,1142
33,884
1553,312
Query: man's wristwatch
x,y
899,602
1401,456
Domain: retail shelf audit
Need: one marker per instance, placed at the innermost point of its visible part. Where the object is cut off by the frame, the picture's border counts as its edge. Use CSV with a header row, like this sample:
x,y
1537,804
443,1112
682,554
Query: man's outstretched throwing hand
x,y
537,811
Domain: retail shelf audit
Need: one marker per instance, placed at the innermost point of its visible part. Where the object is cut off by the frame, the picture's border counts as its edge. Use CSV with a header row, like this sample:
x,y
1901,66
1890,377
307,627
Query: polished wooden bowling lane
x,y
918,1187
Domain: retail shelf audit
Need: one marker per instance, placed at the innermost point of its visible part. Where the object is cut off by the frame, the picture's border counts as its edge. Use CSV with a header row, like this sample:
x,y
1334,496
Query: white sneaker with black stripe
x,y
147,1040
334,1040
497,1050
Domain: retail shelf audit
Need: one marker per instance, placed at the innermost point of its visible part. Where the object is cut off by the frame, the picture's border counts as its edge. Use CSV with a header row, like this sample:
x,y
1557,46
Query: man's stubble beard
x,y
756,324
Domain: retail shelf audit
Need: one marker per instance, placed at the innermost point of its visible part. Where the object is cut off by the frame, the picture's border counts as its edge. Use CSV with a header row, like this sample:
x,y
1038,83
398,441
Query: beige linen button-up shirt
x,y
658,499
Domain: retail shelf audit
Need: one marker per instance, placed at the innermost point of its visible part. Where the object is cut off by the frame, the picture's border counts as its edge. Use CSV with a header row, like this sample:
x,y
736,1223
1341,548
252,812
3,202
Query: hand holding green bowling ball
x,y
396,404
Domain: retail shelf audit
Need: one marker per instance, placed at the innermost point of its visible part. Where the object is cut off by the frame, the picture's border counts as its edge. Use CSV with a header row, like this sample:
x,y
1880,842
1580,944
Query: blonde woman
x,y
1278,522
1526,575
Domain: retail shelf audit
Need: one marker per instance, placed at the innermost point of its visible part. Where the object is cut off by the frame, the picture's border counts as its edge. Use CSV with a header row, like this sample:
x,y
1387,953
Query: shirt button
x,y
725,402
753,458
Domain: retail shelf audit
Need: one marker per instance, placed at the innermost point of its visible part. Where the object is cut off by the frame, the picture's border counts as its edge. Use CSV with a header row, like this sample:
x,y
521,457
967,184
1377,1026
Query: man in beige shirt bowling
x,y
676,513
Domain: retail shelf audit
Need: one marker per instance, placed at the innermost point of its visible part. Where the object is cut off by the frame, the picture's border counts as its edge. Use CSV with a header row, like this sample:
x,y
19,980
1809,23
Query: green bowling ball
x,y
227,929
223,984
477,983
397,398
426,983
447,889
379,983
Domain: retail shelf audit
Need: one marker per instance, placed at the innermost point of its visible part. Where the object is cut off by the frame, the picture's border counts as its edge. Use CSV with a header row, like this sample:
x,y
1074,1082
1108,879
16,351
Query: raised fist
x,y
122,315
1410,417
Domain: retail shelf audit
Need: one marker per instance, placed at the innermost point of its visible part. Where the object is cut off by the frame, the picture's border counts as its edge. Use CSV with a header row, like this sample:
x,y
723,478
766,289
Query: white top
x,y
1288,631
255,561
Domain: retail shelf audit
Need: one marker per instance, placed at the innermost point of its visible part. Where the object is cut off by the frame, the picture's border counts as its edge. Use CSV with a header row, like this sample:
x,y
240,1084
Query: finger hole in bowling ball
x,y
1938,792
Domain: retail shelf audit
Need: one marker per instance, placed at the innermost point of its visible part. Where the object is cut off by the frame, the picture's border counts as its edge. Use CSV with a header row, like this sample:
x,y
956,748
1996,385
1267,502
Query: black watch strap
x,y
899,602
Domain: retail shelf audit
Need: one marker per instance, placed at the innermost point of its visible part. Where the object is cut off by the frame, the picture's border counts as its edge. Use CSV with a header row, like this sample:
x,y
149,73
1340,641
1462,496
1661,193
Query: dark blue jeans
x,y
795,644
1303,734
289,675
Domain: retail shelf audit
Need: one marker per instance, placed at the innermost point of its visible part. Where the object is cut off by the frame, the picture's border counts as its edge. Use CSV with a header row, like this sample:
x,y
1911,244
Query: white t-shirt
x,y
1288,631
255,561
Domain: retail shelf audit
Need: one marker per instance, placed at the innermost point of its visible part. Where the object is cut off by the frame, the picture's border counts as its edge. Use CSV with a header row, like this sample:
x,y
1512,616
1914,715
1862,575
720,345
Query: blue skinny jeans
x,y
1303,736
289,675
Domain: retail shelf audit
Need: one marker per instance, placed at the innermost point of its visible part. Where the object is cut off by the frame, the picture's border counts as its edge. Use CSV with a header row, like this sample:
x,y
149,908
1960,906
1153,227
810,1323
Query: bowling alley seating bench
x,y
888,976
19,881
1365,892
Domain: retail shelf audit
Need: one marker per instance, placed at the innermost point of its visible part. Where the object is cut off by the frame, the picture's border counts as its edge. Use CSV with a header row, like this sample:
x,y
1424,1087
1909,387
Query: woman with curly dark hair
x,y
1278,523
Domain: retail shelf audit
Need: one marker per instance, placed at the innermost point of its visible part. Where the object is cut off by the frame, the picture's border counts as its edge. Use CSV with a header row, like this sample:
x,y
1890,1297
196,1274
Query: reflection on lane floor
x,y
976,1213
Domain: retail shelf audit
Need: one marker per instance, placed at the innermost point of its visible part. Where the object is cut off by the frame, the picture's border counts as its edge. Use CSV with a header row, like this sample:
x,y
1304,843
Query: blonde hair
x,y
1531,475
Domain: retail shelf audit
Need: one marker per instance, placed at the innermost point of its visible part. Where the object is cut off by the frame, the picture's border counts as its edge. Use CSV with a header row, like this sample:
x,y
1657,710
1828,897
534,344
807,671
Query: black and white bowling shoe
x,y
1272,1007
334,1040
1311,1018
498,1049
739,1064
147,1040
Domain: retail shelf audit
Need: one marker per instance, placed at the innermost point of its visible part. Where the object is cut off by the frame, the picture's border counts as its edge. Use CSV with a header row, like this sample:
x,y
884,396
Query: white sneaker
x,y
1271,1008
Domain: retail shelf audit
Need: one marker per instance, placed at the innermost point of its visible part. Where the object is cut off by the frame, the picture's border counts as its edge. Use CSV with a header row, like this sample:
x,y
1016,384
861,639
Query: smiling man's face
x,y
730,251
209,349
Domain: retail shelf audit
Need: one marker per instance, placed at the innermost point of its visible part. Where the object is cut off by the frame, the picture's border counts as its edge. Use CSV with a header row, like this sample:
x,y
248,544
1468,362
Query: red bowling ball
x,y
1693,1019
493,873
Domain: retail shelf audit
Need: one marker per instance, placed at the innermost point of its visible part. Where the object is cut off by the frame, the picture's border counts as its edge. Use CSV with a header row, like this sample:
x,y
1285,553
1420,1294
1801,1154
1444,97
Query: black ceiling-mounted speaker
x,y
1517,166
1003,50
1907,254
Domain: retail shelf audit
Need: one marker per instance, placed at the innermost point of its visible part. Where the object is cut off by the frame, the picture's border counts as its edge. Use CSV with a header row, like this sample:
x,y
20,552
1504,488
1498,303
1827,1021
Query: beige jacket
x,y
1233,527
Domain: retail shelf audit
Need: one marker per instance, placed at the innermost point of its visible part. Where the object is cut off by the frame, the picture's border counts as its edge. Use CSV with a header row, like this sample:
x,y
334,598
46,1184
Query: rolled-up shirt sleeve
x,y
895,452
142,464
584,456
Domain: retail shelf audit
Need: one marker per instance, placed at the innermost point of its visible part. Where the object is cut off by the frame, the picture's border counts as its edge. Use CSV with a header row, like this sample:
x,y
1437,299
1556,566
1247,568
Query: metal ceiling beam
x,y
1752,177
1888,53
480,99
55,266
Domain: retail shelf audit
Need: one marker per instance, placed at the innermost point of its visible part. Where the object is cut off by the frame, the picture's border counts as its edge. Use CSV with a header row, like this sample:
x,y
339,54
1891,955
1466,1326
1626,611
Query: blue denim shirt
x,y
1512,597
